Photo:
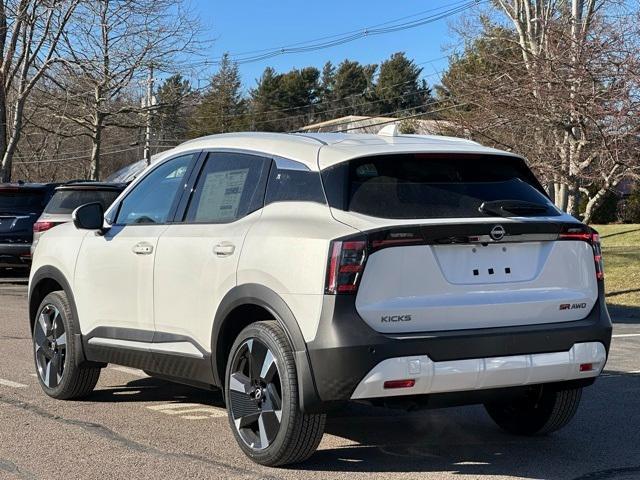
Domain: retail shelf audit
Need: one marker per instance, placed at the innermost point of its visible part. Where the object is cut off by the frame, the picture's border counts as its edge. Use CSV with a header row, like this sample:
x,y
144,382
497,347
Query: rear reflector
x,y
408,383
586,367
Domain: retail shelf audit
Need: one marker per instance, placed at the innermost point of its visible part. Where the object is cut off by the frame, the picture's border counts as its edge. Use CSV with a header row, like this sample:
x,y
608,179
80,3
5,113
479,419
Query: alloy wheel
x,y
255,394
50,343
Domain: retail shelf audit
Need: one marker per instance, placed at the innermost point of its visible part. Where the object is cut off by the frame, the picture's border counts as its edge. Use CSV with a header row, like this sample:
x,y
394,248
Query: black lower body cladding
x,y
345,348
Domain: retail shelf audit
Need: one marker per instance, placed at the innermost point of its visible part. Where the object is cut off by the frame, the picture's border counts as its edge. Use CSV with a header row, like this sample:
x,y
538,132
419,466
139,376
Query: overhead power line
x,y
71,159
347,37
337,35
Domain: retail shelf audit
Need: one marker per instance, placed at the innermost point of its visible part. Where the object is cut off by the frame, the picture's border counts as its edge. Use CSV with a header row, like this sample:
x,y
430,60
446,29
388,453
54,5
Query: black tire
x,y
54,351
542,412
298,434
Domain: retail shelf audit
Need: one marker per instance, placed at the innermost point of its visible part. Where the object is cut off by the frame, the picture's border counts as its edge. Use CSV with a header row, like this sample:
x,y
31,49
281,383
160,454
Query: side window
x,y
230,186
294,186
151,200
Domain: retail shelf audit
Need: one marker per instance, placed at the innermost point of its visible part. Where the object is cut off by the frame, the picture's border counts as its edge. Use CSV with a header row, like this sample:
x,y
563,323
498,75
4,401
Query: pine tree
x,y
170,123
285,102
353,89
265,98
399,89
326,96
299,95
222,107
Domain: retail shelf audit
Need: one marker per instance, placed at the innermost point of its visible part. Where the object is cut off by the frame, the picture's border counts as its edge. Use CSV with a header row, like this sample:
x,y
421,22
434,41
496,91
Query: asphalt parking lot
x,y
137,427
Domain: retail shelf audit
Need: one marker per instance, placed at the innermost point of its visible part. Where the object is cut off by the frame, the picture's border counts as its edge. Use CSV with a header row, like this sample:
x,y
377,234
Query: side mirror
x,y
89,216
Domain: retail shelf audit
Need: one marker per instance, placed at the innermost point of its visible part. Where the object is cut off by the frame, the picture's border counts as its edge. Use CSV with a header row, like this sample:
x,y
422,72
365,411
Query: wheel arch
x,y
49,279
257,300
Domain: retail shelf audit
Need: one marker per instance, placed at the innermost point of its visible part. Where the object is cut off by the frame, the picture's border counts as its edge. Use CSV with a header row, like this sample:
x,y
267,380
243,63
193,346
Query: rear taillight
x,y
597,255
39,227
346,264
592,238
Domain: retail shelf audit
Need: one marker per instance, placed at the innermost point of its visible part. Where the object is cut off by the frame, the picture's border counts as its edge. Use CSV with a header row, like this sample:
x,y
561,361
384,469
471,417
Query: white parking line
x,y
185,409
131,371
173,406
9,383
621,335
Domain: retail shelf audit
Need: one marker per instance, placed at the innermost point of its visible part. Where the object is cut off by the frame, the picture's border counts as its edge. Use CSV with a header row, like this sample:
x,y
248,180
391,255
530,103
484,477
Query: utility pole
x,y
149,104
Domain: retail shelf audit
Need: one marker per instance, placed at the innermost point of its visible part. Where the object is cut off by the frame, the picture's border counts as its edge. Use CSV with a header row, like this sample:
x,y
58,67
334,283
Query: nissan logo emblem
x,y
497,233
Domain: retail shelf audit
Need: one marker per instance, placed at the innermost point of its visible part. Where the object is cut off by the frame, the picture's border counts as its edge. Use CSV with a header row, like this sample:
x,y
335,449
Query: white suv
x,y
298,272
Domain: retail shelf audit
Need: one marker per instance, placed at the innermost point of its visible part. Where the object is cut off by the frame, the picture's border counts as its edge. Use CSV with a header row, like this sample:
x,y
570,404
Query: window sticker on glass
x,y
221,195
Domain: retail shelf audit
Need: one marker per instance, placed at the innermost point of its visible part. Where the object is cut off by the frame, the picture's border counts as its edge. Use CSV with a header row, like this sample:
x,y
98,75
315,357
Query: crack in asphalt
x,y
609,474
10,467
112,436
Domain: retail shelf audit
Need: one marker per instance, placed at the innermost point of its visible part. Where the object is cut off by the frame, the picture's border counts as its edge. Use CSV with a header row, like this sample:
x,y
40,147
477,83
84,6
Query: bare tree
x,y
560,83
108,50
30,31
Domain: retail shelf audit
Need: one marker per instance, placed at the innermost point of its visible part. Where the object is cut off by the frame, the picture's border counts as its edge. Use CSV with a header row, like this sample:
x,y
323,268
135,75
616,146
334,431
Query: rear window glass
x,y
66,201
11,200
428,186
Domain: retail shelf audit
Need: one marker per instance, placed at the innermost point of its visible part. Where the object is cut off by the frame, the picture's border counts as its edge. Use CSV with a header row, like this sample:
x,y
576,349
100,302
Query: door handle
x,y
142,248
224,249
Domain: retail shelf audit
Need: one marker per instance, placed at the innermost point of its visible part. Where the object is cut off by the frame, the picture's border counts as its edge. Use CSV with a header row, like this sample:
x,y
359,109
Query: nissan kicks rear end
x,y
464,284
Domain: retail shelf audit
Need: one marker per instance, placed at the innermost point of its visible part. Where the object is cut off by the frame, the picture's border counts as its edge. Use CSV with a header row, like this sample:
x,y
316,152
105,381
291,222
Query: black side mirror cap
x,y
89,217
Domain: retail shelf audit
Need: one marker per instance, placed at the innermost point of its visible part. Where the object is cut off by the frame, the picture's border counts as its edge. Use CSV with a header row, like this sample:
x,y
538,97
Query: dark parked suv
x,y
70,196
20,206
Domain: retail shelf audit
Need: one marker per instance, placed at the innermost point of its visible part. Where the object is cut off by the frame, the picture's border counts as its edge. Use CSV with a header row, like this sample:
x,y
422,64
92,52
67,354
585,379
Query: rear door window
x,y
229,187
423,186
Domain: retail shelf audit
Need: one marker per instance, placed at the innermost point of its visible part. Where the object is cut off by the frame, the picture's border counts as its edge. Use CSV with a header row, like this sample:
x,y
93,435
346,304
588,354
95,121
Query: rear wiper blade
x,y
514,207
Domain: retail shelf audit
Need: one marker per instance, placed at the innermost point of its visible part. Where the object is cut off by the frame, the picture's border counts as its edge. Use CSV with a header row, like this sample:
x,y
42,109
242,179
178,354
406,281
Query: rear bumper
x,y
15,255
582,361
345,349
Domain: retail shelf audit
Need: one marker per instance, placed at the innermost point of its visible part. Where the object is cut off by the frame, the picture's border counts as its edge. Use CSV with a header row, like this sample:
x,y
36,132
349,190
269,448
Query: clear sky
x,y
247,25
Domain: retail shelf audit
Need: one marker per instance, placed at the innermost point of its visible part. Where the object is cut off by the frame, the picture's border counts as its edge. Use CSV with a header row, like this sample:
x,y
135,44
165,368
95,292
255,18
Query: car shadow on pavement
x,y
602,442
151,389
625,314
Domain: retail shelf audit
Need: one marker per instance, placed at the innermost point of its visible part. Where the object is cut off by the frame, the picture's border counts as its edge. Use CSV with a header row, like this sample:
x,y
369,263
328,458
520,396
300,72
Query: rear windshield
x,y
419,186
21,201
66,201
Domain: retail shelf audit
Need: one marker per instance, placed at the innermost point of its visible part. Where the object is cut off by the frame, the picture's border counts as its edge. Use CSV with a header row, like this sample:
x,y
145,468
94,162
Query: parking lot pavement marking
x,y
169,406
621,335
132,371
184,409
9,383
